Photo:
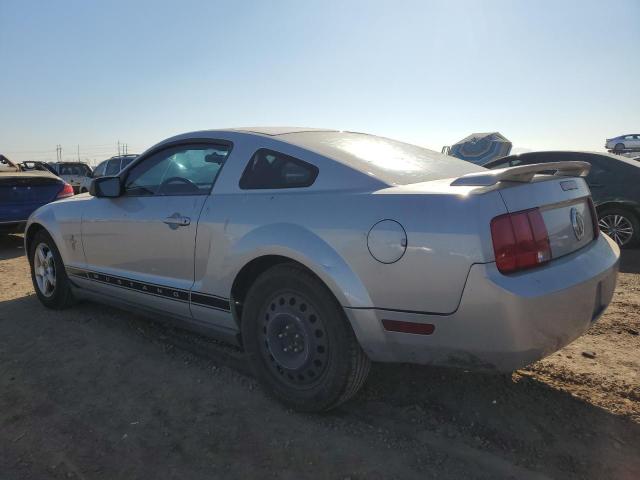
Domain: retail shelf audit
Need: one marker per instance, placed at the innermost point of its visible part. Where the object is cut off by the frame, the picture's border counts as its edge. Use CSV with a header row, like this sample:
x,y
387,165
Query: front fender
x,y
303,246
61,220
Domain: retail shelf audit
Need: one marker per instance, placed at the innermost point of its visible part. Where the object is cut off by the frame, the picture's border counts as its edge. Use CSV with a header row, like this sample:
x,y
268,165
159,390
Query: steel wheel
x,y
298,341
44,269
293,340
617,227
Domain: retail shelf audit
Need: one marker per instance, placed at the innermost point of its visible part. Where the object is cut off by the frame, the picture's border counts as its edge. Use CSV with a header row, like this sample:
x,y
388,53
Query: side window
x,y
180,170
126,161
113,167
269,169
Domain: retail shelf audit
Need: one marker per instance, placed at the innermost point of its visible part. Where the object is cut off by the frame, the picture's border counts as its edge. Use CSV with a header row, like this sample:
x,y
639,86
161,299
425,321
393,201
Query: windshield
x,y
391,161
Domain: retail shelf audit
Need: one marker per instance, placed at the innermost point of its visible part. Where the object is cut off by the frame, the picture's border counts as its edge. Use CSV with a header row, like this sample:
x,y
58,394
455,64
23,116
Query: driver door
x,y
139,247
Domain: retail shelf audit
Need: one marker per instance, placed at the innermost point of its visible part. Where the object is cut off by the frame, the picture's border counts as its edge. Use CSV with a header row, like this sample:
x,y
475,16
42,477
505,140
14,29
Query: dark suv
x,y
112,166
614,182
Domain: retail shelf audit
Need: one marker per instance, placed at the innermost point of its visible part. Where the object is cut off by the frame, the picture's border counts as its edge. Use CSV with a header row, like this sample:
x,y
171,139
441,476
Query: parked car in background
x,y
33,165
74,173
319,251
7,165
615,186
22,192
623,143
112,166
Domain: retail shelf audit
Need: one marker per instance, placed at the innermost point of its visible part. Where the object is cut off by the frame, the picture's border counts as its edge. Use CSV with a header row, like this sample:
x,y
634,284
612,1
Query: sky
x,y
87,74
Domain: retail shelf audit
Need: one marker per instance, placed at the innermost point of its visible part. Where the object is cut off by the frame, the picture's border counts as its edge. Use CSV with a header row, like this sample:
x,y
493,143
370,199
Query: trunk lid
x,y
19,190
21,194
557,189
565,209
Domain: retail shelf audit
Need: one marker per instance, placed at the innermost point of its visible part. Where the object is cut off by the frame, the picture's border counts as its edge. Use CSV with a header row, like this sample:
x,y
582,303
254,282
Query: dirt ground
x,y
95,392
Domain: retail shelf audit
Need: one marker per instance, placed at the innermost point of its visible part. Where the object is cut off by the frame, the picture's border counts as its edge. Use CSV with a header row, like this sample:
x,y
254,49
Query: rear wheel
x,y
48,274
618,148
622,226
298,341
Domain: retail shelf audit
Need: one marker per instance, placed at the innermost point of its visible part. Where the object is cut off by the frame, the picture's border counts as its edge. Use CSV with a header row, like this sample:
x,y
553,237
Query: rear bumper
x,y
503,322
12,227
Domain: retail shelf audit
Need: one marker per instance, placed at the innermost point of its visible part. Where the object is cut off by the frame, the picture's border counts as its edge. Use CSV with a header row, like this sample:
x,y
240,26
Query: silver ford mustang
x,y
319,251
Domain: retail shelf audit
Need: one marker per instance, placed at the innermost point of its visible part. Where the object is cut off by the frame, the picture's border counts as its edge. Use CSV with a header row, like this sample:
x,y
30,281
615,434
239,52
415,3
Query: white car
x,y
74,173
623,143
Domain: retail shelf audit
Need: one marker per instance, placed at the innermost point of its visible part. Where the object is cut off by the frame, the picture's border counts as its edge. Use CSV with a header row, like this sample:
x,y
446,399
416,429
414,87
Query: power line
x,y
91,153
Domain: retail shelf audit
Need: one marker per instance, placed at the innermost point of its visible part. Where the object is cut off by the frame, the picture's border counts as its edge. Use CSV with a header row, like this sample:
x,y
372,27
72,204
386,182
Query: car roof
x,y
389,161
276,131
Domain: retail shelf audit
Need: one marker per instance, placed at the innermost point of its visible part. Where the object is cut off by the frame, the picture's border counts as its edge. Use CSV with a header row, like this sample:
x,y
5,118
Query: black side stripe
x,y
210,301
176,294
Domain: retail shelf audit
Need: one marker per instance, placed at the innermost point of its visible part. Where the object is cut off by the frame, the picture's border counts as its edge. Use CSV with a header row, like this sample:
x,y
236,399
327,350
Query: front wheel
x,y
299,342
622,226
619,148
48,274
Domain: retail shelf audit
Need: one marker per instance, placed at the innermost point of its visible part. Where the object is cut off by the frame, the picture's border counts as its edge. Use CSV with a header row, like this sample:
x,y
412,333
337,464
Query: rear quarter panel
x,y
326,230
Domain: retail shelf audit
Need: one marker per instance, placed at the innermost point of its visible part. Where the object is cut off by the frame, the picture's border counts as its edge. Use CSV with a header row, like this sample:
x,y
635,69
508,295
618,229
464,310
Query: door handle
x,y
176,220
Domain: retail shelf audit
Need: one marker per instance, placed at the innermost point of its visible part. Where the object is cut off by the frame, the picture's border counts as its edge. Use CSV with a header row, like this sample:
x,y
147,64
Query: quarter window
x,y
270,169
179,170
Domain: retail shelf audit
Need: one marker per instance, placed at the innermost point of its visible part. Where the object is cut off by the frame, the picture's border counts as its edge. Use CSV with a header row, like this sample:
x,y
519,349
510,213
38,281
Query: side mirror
x,y
110,187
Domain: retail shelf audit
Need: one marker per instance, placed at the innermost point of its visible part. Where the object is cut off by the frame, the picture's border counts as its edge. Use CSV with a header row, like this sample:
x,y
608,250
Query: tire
x,y
298,341
59,295
616,222
619,148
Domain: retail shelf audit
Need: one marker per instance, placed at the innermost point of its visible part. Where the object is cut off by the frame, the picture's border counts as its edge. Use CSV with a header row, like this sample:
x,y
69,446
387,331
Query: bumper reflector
x,y
408,327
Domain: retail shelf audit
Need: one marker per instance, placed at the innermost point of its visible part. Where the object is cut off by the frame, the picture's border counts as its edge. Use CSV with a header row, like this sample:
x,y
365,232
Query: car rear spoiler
x,y
522,173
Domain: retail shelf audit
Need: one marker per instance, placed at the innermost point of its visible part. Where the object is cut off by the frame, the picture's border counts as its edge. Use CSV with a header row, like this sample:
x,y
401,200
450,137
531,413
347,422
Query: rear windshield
x,y
75,169
391,161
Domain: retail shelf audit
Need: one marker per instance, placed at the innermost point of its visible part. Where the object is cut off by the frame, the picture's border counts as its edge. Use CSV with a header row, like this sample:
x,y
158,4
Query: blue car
x,y
22,192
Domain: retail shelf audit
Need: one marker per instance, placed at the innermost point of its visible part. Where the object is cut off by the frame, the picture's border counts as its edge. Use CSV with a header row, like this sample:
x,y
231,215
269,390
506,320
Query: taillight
x,y
594,219
520,240
67,191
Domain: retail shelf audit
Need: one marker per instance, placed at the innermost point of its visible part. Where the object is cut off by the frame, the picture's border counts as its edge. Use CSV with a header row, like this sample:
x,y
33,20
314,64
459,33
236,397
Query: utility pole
x,y
118,147
78,152
58,153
